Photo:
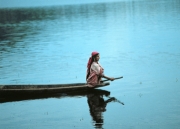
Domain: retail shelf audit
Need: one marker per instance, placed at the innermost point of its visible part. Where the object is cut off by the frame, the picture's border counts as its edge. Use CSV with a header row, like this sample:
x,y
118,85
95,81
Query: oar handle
x,y
114,79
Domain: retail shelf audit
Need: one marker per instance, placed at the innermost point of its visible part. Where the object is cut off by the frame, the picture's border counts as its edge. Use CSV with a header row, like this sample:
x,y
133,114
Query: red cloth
x,y
95,74
94,53
90,59
93,78
90,62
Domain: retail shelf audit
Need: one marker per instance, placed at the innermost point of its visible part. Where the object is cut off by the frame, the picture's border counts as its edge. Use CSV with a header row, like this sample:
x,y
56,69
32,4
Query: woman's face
x,y
97,57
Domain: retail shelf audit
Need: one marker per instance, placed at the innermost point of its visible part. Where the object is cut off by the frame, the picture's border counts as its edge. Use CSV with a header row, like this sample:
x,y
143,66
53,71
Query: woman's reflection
x,y
95,98
97,105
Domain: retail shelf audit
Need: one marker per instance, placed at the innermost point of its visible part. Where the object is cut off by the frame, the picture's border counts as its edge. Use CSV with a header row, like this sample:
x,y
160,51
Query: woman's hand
x,y
112,79
109,78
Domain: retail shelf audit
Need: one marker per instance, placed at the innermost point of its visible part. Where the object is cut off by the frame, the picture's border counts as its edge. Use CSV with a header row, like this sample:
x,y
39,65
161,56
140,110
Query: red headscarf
x,y
90,59
90,62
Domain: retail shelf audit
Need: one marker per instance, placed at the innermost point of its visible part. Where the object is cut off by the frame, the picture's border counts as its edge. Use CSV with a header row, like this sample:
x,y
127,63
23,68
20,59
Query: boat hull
x,y
26,90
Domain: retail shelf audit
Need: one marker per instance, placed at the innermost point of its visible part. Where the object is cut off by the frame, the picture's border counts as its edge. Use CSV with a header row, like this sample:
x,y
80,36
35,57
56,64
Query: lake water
x,y
138,40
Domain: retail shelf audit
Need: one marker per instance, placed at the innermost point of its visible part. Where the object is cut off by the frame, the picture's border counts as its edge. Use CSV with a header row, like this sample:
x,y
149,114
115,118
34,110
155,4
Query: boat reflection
x,y
97,100
59,95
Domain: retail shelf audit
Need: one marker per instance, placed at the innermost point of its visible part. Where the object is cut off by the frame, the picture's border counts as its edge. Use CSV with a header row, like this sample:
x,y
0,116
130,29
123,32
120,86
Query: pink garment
x,y
90,61
96,72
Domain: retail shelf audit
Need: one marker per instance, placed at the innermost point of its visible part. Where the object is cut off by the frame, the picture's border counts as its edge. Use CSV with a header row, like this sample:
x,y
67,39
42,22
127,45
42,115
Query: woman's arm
x,y
97,69
109,78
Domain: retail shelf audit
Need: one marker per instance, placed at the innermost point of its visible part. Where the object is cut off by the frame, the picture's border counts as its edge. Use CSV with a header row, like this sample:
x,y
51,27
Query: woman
x,y
94,70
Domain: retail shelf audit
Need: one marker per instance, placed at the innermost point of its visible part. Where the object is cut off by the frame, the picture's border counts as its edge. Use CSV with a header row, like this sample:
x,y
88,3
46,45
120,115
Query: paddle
x,y
114,79
115,100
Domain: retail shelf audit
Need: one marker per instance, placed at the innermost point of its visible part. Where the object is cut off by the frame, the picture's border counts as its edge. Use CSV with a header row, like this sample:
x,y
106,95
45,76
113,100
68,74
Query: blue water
x,y
138,40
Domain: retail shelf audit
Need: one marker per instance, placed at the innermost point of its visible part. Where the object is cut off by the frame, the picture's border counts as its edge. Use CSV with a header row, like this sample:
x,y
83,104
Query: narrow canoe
x,y
24,90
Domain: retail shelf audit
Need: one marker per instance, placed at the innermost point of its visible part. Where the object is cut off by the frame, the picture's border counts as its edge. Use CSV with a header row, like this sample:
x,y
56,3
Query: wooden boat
x,y
24,90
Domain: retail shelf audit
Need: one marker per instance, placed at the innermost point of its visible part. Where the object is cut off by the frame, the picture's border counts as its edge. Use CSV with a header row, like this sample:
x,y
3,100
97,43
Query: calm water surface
x,y
137,39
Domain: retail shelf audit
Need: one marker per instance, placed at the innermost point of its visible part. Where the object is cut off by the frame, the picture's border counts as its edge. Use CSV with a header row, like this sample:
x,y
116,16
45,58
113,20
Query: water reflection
x,y
93,95
97,105
97,101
